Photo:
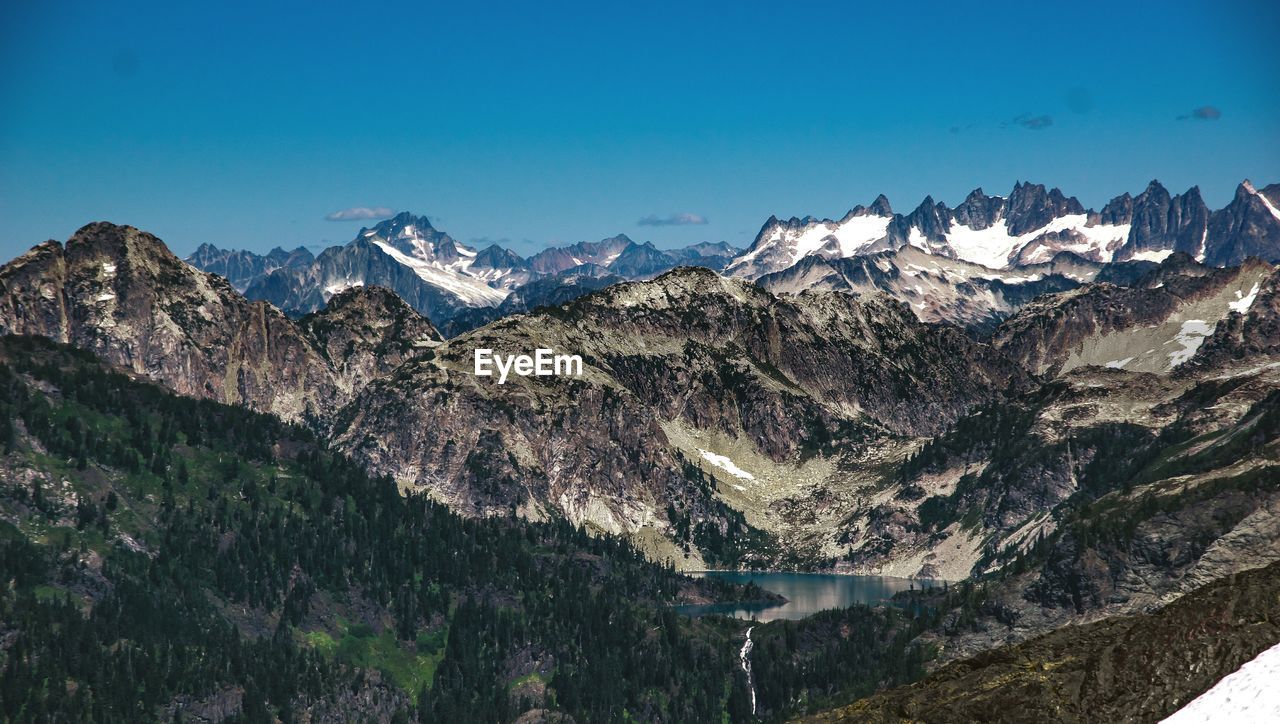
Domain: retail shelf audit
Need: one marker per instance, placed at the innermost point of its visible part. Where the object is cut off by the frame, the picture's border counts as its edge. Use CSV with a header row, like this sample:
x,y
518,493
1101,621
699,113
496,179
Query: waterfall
x,y
745,656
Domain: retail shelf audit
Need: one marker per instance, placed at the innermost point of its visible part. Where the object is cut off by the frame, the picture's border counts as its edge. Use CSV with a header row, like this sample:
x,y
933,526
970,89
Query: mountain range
x,y
973,265
443,279
787,427
1088,432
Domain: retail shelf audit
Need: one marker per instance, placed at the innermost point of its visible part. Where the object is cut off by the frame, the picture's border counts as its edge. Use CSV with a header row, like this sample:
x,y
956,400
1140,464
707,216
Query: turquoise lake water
x,y
806,593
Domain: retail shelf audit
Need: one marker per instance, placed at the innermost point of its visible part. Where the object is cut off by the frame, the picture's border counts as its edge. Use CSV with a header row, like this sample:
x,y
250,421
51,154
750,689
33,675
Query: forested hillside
x,y
167,557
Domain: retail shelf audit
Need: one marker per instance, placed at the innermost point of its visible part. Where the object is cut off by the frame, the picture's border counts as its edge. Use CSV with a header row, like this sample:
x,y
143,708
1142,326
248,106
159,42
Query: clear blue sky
x,y
551,122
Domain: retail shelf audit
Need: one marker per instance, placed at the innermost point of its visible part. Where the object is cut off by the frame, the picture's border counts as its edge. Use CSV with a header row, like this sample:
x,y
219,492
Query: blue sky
x,y
539,123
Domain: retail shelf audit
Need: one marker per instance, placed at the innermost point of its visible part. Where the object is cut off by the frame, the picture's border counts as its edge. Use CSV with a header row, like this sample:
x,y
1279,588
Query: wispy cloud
x,y
1203,113
1029,122
685,219
361,213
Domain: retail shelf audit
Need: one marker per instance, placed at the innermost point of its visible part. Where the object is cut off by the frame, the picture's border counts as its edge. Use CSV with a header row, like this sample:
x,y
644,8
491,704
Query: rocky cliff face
x,y
1160,221
1193,415
119,293
1247,227
241,267
677,371
937,288
1155,325
366,332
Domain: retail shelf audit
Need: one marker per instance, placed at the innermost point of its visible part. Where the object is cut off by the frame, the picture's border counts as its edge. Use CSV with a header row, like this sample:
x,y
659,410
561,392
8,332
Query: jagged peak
x,y
496,256
881,206
405,217
388,228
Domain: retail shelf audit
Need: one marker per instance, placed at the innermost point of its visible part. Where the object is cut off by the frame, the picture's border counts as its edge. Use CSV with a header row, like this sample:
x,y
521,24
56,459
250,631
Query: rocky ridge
x,y
121,294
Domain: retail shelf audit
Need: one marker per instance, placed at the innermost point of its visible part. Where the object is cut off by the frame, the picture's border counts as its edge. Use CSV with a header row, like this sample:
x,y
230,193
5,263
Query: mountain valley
x,y
1089,439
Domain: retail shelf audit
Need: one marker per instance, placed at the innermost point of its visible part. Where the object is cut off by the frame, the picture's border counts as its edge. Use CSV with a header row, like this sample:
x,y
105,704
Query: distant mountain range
x,y
973,265
1031,226
449,282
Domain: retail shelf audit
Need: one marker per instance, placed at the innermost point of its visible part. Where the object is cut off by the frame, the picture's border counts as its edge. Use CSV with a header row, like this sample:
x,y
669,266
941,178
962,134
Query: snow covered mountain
x,y
455,285
781,244
1031,226
972,265
443,262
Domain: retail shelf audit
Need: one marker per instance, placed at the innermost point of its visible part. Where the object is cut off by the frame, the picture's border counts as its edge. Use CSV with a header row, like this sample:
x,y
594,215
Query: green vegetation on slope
x,y
168,557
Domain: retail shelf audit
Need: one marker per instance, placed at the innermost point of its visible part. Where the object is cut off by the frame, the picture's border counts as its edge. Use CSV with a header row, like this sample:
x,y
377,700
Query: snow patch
x,y
993,246
1249,694
1244,301
1011,280
1156,256
1190,337
1118,364
470,290
727,465
342,286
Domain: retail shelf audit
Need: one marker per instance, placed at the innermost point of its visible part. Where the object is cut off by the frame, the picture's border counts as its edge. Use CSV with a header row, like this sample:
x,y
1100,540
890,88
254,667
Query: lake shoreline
x,y
802,594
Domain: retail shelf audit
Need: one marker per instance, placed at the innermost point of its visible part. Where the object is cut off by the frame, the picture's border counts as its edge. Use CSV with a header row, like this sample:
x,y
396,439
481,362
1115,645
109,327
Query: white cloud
x,y
685,219
360,213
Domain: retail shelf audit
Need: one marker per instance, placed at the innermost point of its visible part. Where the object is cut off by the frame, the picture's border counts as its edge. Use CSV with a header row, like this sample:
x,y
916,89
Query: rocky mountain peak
x,y
979,211
120,293
1117,211
375,307
367,331
1248,226
881,207
712,248
389,227
414,236
931,218
105,239
1032,206
498,257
